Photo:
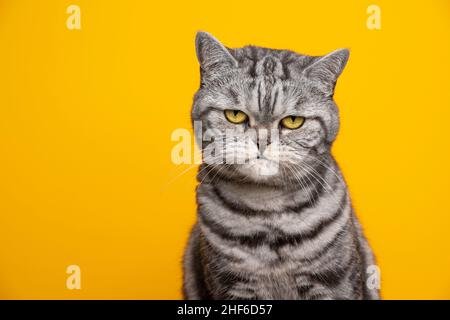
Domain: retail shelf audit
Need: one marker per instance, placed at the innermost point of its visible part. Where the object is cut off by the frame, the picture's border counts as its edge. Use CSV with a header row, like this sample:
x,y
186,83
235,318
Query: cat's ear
x,y
327,69
211,54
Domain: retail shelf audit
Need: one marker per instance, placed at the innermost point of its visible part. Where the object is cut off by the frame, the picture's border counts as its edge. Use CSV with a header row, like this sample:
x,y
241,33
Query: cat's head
x,y
265,114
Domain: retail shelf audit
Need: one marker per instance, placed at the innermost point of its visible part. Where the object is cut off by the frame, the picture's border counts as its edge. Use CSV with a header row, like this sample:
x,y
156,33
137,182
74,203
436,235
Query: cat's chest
x,y
264,260
281,242
271,281
281,246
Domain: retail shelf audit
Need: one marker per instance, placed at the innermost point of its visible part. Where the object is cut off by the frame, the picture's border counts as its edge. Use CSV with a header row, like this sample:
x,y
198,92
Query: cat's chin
x,y
261,170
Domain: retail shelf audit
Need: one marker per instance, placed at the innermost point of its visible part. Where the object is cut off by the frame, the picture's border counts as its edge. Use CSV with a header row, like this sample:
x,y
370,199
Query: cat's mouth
x,y
261,168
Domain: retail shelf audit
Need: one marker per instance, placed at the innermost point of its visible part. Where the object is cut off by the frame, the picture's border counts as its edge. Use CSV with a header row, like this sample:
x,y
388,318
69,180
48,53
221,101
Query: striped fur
x,y
289,235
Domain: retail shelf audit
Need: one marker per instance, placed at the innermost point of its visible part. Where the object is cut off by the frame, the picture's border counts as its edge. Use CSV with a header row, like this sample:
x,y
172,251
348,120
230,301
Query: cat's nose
x,y
259,151
262,140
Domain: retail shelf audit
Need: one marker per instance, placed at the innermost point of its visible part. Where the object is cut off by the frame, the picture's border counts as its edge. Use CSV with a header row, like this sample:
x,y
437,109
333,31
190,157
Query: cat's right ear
x,y
212,55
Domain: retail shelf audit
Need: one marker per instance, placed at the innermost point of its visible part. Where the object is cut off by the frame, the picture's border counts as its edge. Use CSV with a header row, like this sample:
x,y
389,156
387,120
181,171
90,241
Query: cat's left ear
x,y
327,69
212,55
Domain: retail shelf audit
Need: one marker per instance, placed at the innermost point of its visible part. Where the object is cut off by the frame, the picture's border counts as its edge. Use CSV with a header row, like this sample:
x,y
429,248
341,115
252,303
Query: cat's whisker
x,y
303,186
325,184
307,176
221,168
211,168
325,165
192,166
303,173
178,176
329,191
315,158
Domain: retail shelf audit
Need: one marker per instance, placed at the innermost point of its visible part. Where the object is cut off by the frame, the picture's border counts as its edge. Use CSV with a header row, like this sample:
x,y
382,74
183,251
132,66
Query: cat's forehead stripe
x,y
269,66
269,69
268,93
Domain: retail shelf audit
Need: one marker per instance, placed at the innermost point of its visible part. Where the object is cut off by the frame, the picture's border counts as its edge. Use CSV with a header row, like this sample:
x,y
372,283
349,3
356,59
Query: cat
x,y
278,225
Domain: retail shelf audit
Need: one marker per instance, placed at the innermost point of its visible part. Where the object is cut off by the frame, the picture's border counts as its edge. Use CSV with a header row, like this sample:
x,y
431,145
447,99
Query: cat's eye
x,y
235,116
292,122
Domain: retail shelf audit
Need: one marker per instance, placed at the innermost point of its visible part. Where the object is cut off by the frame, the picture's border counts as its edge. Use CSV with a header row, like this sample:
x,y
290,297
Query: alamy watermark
x,y
73,21
373,281
73,281
374,17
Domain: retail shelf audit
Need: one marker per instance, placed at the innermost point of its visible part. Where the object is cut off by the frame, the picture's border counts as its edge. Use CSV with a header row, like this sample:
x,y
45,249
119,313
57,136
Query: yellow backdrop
x,y
86,117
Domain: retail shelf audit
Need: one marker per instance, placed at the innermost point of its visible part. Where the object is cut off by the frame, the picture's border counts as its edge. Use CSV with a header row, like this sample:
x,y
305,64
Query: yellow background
x,y
86,117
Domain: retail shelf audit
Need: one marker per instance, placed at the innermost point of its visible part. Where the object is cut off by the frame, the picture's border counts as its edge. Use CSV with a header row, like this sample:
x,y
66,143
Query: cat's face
x,y
266,115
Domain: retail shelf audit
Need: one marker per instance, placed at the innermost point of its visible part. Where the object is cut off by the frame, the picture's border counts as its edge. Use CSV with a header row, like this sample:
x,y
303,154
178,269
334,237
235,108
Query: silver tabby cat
x,y
280,224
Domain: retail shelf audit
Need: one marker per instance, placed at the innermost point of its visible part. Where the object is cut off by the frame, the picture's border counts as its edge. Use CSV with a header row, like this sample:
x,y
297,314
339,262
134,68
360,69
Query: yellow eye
x,y
235,116
292,122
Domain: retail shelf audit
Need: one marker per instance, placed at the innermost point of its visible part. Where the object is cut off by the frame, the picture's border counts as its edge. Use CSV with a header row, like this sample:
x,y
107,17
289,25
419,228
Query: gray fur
x,y
288,235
